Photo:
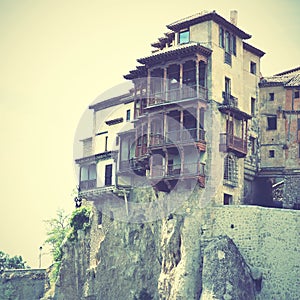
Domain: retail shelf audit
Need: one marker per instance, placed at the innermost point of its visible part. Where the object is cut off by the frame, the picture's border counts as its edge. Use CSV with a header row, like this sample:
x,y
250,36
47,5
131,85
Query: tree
x,y
8,263
57,230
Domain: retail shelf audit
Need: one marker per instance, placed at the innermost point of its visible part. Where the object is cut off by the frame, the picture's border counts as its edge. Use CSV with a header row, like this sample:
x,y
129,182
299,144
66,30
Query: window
x,y
117,141
221,37
234,45
253,145
106,142
296,95
271,153
227,86
252,67
88,176
298,123
272,123
253,106
271,96
184,36
227,42
230,170
227,199
128,115
299,150
202,73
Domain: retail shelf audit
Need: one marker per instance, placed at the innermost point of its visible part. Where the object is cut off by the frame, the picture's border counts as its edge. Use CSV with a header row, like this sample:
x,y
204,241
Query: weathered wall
x,y
22,284
269,240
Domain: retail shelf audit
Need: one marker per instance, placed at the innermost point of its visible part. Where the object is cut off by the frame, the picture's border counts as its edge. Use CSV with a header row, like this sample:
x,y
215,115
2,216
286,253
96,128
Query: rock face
x,y
160,260
193,253
225,274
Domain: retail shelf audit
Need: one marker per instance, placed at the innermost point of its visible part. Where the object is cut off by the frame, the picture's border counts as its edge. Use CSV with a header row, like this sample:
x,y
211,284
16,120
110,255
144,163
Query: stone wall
x,y
23,284
291,192
269,240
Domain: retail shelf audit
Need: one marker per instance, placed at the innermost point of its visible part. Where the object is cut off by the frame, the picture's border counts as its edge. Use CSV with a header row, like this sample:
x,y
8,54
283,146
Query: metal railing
x,y
229,100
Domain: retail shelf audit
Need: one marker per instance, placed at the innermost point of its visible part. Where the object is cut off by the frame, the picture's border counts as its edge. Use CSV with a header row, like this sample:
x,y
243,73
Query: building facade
x,y
195,117
279,112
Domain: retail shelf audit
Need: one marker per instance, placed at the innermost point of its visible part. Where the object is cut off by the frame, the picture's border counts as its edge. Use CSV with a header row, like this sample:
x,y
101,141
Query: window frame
x,y
271,153
186,39
253,69
271,96
269,127
128,113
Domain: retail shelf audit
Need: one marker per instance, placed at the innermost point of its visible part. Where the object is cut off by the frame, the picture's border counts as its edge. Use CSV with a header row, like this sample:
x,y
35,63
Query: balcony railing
x,y
177,136
233,143
175,171
229,100
141,150
173,95
87,184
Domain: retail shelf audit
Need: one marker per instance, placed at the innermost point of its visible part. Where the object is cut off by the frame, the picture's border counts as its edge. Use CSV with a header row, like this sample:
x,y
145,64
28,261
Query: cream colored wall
x,y
200,33
118,111
101,172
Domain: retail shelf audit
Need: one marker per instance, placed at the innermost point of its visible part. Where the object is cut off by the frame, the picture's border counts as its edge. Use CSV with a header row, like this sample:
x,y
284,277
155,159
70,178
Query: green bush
x,y
80,220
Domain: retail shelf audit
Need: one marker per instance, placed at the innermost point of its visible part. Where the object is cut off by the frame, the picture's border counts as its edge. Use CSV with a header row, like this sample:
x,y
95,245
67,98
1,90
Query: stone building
x,y
279,112
195,117
194,103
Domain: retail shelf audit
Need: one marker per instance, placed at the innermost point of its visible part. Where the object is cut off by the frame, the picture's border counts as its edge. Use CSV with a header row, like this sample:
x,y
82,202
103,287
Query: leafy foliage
x,y
80,220
57,230
15,262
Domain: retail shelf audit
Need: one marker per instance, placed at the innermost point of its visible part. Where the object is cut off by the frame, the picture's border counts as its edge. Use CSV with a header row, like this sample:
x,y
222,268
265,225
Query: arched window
x,y
230,170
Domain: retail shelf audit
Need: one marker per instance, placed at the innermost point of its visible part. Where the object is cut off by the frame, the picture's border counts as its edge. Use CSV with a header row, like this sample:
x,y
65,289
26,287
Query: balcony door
x,y
108,175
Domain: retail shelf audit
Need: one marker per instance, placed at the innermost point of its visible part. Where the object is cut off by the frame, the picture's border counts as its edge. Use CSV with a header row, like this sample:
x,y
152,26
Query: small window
x,y
106,142
253,106
221,37
117,140
128,115
271,153
184,37
253,145
253,67
297,94
271,96
272,123
298,123
227,199
234,45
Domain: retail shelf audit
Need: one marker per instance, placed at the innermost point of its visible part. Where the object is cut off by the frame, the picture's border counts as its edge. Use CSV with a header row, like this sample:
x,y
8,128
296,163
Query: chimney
x,y
233,17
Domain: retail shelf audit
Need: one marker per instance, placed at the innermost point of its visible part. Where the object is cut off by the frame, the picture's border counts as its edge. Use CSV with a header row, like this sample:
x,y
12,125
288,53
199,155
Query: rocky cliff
x,y
234,252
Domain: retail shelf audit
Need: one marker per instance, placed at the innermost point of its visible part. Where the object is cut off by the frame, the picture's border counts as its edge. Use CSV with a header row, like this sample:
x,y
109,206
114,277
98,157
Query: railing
x,y
229,100
227,58
156,139
234,143
141,150
87,184
173,95
185,135
175,171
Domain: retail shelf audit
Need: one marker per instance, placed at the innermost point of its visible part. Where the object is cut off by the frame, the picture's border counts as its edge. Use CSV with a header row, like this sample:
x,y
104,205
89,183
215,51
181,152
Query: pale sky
x,y
58,56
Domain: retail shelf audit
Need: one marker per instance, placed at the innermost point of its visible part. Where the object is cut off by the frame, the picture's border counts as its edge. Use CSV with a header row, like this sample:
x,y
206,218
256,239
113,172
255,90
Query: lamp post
x,y
40,257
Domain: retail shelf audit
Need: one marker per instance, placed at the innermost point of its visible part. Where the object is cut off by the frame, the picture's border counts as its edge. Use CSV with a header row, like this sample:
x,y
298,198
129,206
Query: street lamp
x,y
40,257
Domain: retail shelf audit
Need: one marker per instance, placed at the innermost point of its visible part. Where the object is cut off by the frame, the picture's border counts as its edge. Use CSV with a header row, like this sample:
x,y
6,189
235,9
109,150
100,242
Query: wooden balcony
x,y
175,137
237,145
178,171
175,95
87,184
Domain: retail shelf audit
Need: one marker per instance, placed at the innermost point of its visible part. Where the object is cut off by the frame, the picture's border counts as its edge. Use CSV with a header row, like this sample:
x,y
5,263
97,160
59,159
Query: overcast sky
x,y
58,56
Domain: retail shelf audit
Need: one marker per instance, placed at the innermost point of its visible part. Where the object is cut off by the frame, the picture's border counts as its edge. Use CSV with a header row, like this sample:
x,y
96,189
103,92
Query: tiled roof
x,y
295,81
207,16
288,79
184,49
